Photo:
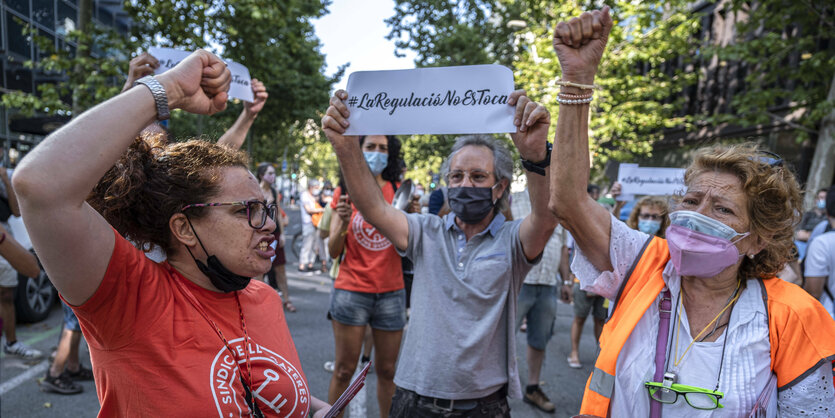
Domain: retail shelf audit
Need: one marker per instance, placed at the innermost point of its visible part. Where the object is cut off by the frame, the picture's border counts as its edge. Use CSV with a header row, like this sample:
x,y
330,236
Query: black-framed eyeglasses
x,y
257,211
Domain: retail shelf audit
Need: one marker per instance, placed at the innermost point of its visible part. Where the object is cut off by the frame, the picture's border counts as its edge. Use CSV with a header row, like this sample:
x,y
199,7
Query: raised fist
x,y
580,43
198,84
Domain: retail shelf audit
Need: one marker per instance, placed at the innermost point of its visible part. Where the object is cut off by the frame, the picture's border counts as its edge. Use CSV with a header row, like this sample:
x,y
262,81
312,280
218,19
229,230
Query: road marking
x,y
23,377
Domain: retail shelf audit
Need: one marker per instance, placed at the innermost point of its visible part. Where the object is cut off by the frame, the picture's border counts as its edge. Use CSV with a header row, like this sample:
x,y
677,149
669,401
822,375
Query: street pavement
x,y
19,380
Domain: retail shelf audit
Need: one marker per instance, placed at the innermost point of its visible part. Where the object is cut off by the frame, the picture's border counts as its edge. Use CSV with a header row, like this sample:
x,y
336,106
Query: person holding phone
x,y
369,288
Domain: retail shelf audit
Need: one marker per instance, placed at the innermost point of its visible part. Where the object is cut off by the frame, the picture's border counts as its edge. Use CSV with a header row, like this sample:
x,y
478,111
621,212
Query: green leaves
x,y
274,39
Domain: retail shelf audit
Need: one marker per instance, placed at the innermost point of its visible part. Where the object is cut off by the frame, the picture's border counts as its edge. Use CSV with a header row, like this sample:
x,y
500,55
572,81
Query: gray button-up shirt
x,y
459,343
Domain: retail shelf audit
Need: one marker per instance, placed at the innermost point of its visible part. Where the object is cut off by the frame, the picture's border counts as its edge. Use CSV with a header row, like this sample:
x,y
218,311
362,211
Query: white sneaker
x,y
21,350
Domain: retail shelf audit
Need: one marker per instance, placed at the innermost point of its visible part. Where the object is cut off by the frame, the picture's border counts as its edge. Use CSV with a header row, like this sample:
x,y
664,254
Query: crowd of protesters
x,y
153,245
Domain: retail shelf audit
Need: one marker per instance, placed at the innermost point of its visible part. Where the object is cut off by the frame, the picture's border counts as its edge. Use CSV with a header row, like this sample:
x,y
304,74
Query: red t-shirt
x,y
154,354
371,264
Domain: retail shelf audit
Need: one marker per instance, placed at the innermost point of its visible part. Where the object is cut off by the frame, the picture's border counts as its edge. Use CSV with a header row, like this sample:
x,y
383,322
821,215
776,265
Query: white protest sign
x,y
443,100
636,180
240,88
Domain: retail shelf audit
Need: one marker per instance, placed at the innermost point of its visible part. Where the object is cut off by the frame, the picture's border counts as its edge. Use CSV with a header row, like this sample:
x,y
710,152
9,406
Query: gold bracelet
x,y
561,82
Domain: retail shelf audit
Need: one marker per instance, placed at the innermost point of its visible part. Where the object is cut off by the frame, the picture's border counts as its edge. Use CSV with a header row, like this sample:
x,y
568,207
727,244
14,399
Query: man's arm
x,y
814,285
236,135
532,121
365,193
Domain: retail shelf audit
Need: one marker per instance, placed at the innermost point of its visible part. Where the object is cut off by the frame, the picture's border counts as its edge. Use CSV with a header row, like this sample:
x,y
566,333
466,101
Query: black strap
x,y
253,406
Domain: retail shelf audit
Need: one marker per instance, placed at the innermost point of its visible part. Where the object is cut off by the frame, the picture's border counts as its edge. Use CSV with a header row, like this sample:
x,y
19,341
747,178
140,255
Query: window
x,y
18,42
19,79
40,54
43,12
105,17
20,6
67,18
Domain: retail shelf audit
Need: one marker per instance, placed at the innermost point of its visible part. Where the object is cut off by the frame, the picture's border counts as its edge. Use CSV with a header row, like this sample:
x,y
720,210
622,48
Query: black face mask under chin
x,y
471,204
220,276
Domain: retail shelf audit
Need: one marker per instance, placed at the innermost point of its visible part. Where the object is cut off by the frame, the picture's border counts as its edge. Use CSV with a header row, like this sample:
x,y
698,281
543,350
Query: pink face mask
x,y
698,254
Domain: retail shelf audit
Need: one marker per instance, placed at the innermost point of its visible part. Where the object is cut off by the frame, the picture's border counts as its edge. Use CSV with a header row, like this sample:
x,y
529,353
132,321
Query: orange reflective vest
x,y
800,331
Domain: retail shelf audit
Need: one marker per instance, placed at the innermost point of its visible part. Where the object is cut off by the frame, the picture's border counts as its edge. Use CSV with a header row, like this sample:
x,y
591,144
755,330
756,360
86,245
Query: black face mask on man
x,y
220,276
471,204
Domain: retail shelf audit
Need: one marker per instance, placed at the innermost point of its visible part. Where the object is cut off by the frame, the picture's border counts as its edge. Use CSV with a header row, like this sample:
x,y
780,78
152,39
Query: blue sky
x,y
355,32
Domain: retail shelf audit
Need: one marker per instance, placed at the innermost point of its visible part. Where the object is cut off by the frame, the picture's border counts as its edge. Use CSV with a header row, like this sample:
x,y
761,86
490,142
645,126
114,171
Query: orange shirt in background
x,y
371,264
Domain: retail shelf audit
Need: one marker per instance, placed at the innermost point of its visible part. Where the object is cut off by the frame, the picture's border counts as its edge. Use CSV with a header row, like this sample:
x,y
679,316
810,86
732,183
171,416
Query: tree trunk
x,y
85,18
823,162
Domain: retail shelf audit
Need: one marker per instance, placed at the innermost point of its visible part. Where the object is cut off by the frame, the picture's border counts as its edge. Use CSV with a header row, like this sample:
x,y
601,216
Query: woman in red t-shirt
x,y
369,288
190,335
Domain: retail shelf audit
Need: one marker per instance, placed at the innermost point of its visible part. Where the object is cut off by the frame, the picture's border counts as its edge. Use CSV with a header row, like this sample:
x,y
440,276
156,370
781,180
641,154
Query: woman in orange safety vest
x,y
700,324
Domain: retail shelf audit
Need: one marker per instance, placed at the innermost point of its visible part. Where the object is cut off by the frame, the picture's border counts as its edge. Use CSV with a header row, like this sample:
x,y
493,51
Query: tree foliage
x,y
788,51
274,39
448,32
642,73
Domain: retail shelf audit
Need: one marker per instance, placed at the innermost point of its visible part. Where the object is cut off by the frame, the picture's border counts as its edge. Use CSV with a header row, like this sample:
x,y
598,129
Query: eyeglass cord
x,y
677,321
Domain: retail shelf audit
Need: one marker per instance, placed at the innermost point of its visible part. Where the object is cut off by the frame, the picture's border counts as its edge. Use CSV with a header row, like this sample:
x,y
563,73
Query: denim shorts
x,y
383,311
538,304
70,320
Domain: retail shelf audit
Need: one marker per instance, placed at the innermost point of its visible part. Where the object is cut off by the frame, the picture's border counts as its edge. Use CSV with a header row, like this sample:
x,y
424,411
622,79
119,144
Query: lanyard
x,y
678,360
197,305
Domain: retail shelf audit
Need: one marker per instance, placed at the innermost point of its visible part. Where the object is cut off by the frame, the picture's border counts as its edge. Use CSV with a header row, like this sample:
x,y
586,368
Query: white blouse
x,y
747,362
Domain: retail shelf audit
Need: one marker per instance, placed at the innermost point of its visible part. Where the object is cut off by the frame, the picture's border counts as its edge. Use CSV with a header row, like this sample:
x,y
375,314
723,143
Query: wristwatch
x,y
539,168
158,91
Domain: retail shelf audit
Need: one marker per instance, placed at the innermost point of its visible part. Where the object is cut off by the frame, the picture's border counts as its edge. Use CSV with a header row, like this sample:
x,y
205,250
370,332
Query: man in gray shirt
x,y
458,358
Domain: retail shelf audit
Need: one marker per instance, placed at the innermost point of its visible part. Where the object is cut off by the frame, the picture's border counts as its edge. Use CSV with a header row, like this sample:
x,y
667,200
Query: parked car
x,y
34,296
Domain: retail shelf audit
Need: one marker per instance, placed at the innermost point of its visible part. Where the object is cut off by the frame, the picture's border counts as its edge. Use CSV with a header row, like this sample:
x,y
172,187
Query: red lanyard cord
x,y
197,305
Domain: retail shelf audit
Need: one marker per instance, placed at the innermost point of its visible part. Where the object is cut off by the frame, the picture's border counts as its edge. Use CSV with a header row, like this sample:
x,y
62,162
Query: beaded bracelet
x,y
561,82
574,101
574,96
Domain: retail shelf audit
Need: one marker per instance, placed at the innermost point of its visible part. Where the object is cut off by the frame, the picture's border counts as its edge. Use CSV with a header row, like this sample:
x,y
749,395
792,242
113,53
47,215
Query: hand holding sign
x,y
335,121
259,91
140,66
198,84
532,121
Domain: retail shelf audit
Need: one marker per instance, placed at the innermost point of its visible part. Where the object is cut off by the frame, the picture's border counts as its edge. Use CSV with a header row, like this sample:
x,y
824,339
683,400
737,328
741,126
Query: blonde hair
x,y
659,202
774,202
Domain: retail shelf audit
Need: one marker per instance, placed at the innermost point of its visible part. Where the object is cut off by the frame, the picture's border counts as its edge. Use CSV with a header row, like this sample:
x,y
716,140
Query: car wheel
x,y
34,298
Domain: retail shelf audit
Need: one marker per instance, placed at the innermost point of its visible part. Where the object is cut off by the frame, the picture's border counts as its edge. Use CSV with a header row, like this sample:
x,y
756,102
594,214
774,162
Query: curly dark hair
x,y
392,170
774,202
153,180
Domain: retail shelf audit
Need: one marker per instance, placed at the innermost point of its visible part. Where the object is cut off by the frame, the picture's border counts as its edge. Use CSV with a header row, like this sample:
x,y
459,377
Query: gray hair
x,y
502,162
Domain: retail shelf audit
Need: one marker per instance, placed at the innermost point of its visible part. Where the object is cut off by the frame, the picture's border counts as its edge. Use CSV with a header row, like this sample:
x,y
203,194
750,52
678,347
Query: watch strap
x,y
539,168
158,91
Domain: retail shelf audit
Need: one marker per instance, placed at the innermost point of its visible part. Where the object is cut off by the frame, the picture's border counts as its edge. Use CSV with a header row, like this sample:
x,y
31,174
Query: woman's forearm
x,y
570,159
